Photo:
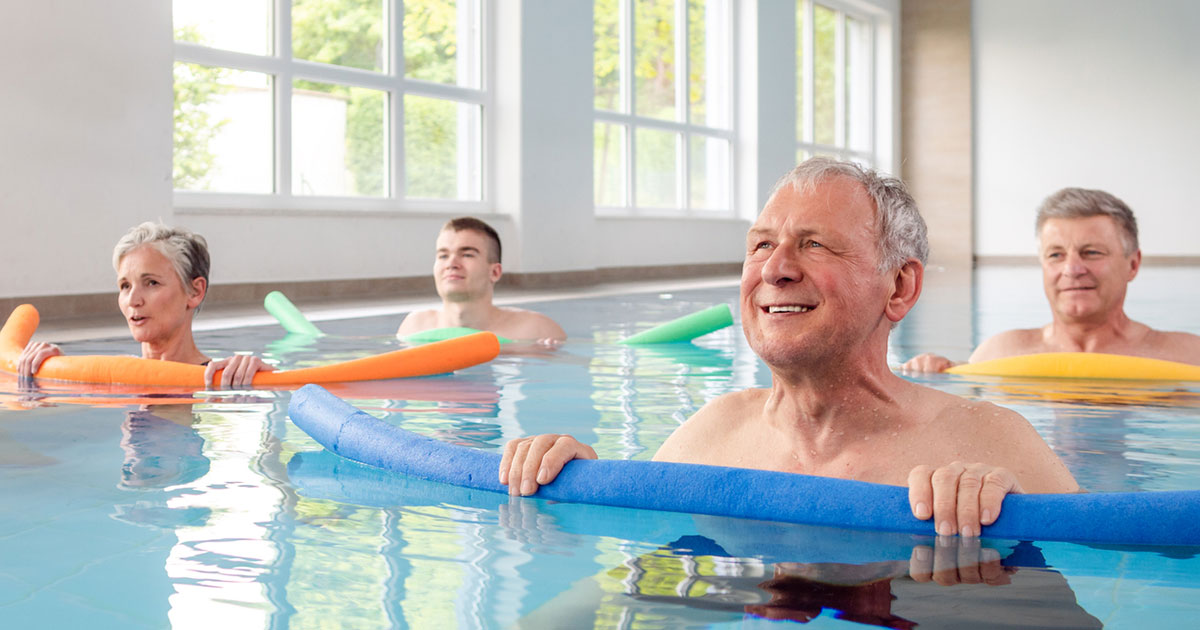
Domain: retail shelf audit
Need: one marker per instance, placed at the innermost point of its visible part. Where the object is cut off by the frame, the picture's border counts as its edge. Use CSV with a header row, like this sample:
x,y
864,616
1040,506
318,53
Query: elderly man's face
x,y
1085,271
810,282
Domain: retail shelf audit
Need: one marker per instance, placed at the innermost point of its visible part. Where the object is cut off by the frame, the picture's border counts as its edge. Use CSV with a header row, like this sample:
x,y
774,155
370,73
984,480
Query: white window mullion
x,y
839,80
869,85
282,83
810,120
627,86
683,112
395,70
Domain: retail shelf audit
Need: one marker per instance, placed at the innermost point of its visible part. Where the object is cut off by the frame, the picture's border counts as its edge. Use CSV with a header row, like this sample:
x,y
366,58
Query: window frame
x,y
283,69
629,121
874,55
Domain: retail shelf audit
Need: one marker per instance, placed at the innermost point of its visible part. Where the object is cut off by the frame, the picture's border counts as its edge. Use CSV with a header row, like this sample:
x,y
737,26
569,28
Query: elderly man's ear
x,y
906,288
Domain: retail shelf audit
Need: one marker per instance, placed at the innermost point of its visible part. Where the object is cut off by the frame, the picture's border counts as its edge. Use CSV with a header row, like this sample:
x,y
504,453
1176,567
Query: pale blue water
x,y
222,513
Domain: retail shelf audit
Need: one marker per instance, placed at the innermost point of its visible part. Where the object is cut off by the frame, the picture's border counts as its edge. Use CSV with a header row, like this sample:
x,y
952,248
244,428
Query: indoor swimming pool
x,y
147,508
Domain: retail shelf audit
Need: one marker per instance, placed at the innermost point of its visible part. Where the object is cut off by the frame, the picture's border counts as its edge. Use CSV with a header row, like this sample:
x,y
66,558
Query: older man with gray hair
x,y
1088,248
835,259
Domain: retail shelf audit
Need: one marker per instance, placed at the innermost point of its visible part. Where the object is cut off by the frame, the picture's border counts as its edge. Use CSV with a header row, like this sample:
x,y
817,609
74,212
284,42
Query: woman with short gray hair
x,y
162,279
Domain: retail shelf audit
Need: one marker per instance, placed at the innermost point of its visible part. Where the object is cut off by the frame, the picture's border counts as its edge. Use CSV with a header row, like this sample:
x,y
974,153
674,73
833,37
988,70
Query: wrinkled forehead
x,y
1078,230
832,201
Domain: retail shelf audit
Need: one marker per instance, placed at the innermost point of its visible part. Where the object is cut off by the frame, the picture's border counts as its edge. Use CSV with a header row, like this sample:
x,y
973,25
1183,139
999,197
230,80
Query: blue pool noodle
x,y
1161,517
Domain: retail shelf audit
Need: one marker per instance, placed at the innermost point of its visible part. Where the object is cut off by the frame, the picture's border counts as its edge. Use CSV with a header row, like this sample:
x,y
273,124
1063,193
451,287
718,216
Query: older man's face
x,y
810,282
1085,271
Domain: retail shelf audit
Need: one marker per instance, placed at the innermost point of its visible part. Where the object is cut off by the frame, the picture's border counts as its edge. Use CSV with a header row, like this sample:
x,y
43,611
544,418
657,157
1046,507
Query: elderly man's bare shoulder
x,y
957,414
1174,346
712,426
971,430
1011,343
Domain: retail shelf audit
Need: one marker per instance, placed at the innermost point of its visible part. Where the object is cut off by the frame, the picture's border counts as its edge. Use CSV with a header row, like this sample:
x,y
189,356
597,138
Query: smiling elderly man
x,y
1088,248
835,259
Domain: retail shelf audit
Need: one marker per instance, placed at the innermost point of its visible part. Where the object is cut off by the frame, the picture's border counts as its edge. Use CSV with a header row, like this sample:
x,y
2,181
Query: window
x,y
663,98
373,99
835,75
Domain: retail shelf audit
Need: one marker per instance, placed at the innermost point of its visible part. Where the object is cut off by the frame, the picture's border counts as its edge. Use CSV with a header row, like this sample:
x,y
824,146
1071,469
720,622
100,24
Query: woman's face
x,y
156,304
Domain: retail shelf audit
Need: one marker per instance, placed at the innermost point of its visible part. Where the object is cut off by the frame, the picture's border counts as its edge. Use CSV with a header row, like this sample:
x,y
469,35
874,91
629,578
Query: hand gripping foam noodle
x,y
1158,517
1093,365
437,358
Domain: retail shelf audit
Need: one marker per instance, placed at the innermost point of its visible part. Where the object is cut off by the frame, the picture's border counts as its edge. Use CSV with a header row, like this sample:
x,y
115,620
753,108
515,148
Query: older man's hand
x,y
535,461
927,362
960,497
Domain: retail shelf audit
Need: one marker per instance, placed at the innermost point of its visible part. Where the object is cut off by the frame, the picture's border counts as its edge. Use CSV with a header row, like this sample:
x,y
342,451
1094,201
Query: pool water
x,y
213,510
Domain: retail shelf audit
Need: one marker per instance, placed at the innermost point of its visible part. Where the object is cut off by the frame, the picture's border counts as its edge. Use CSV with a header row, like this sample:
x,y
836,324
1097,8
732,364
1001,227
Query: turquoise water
x,y
222,512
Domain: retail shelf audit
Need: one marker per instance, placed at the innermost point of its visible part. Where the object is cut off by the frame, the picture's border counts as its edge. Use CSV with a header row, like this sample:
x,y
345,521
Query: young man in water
x,y
834,261
1088,248
466,269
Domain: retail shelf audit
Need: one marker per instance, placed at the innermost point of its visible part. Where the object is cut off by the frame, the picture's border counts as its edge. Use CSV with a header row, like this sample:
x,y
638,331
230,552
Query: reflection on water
x,y
211,508
950,583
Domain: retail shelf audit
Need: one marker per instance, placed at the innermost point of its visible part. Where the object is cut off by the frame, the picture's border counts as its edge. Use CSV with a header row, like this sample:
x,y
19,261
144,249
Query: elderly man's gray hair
x,y
901,230
1081,203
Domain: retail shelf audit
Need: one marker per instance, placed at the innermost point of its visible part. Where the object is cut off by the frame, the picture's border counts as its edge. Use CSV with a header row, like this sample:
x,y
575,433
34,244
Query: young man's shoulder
x,y
418,321
522,323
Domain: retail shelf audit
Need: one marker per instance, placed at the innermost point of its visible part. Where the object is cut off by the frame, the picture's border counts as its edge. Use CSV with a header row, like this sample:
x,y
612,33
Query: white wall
x,y
1093,93
85,137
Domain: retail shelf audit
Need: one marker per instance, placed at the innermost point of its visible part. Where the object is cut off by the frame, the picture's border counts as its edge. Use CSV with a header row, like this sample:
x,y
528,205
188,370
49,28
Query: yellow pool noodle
x,y
1094,365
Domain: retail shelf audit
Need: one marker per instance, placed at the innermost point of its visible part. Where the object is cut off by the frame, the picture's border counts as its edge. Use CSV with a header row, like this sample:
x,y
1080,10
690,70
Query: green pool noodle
x,y
687,327
289,316
442,334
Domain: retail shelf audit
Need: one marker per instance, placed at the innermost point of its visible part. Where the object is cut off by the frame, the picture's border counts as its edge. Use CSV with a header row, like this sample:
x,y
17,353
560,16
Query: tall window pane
x,y
223,130
803,131
441,41
708,55
858,85
442,148
238,25
606,55
836,77
347,33
824,79
654,59
671,149
338,140
608,163
709,173
657,168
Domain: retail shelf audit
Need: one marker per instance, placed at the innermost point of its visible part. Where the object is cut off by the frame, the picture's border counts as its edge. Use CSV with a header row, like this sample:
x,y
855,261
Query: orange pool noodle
x,y
434,358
